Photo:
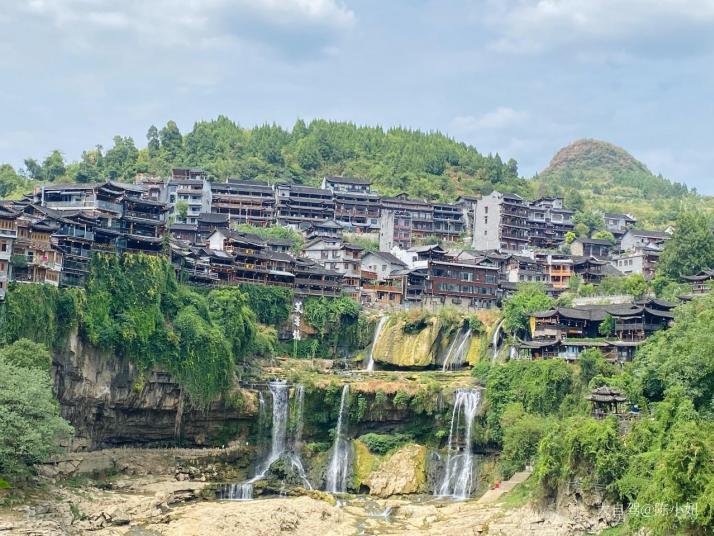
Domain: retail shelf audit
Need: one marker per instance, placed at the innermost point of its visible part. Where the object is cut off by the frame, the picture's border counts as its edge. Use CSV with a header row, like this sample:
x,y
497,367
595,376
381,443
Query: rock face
x,y
401,473
109,404
407,350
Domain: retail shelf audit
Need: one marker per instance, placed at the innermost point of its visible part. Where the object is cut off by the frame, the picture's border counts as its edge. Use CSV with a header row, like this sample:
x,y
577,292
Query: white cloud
x,y
173,23
500,118
534,26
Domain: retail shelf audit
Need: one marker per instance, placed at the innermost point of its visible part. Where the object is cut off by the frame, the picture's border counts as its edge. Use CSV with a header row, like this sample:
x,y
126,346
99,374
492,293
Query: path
x,y
492,495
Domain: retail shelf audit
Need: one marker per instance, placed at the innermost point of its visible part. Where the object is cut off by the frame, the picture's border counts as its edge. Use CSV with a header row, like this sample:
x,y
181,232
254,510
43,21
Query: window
x,y
3,246
384,267
485,209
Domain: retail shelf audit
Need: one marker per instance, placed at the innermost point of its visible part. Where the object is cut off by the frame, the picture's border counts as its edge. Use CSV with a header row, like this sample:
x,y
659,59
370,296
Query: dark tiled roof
x,y
390,258
347,180
649,234
212,217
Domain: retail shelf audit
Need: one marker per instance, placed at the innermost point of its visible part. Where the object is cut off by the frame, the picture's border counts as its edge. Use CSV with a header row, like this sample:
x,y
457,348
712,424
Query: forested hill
x,y
609,178
604,167
425,165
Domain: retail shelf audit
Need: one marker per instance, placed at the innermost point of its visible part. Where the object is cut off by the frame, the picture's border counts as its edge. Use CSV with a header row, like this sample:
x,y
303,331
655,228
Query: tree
x,y
529,298
592,363
574,200
120,160
181,210
171,142
605,235
30,425
591,219
53,166
26,354
9,180
682,355
33,169
570,236
690,249
153,144
607,326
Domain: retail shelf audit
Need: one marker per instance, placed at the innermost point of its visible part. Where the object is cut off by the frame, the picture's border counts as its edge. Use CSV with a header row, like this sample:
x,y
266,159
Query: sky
x,y
518,77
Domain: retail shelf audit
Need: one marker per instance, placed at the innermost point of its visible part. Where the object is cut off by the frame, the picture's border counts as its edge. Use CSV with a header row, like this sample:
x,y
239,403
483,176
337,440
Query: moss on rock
x,y
403,472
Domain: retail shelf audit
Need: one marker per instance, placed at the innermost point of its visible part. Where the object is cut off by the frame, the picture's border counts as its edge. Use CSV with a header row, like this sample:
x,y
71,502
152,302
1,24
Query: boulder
x,y
401,473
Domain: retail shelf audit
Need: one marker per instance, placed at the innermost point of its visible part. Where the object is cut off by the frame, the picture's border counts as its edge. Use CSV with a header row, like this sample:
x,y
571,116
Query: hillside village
x,y
347,240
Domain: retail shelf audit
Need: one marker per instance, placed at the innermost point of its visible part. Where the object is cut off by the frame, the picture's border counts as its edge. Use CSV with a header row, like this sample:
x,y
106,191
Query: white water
x,y
494,340
455,353
458,473
336,477
279,440
377,330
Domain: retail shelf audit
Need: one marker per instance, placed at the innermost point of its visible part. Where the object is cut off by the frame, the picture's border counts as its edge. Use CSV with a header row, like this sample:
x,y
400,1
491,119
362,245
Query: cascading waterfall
x,y
279,439
377,330
494,341
455,353
458,473
336,478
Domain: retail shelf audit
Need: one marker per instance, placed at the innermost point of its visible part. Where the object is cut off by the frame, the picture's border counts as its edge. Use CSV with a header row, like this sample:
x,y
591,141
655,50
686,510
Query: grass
x,y
619,530
520,495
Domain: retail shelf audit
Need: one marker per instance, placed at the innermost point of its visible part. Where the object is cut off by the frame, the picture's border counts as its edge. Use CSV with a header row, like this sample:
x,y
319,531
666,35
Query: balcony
x,y
8,233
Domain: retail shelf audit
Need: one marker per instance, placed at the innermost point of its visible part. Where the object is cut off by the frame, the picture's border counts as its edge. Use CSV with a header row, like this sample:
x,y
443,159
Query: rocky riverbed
x,y
152,506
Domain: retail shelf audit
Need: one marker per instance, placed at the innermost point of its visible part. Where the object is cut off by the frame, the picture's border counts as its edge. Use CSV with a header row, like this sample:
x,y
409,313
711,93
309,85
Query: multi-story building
x,y
520,269
548,222
8,234
244,201
591,247
558,269
395,229
501,223
382,264
467,204
75,239
337,256
565,332
635,239
35,257
460,283
358,212
642,261
301,205
448,222
421,214
324,229
187,198
591,269
618,224
346,184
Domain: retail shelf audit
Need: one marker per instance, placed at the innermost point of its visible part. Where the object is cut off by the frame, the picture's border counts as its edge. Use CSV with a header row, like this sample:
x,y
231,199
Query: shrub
x,y
383,443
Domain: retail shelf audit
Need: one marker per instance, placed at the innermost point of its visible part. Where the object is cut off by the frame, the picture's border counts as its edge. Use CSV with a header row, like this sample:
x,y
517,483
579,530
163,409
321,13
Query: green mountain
x,y
423,164
609,178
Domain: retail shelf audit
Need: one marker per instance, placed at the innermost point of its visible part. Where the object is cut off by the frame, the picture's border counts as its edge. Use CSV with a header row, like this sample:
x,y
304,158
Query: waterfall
x,y
279,439
494,341
458,474
455,353
336,478
377,330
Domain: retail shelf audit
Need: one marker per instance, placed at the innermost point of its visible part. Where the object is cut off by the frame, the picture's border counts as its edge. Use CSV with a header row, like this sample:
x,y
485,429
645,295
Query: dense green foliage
x,y
691,248
682,356
422,164
529,298
276,232
659,463
29,306
272,305
383,443
540,387
334,320
30,425
26,354
134,307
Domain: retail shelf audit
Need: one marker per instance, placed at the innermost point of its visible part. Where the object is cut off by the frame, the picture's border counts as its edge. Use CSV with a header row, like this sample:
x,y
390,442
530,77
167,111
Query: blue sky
x,y
518,77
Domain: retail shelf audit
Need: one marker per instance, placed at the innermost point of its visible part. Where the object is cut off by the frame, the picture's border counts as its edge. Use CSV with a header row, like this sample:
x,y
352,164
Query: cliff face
x,y
417,350
109,404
